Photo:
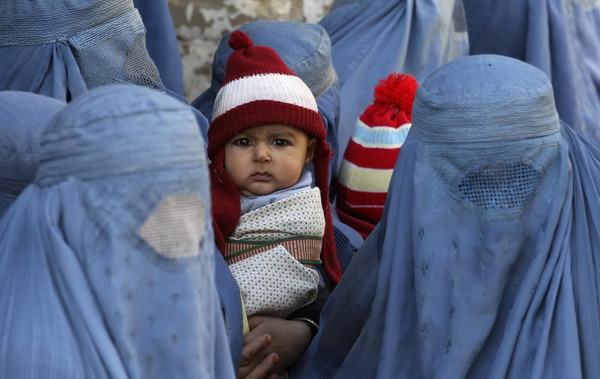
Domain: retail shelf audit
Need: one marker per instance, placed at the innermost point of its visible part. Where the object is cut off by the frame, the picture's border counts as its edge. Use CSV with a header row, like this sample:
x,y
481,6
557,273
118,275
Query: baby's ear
x,y
310,151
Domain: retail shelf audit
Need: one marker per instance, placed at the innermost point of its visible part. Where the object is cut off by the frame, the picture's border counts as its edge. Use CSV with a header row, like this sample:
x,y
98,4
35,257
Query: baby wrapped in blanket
x,y
271,225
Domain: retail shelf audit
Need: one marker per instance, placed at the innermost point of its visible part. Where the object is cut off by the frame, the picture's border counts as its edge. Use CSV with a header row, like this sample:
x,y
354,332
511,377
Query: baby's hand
x,y
272,345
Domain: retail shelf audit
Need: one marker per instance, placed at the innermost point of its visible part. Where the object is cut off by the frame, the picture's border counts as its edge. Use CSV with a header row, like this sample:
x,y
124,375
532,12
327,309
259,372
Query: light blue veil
x,y
485,262
23,118
559,37
106,260
374,38
61,48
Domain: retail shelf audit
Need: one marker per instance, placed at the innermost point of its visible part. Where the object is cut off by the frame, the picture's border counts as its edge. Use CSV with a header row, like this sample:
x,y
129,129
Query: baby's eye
x,y
242,142
281,142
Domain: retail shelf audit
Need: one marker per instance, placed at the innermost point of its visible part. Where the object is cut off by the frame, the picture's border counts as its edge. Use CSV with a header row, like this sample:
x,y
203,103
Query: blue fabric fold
x,y
23,118
49,70
558,37
231,307
374,38
161,42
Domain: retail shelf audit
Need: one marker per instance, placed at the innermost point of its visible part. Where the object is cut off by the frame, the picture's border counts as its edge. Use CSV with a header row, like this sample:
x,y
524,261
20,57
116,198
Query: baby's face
x,y
267,158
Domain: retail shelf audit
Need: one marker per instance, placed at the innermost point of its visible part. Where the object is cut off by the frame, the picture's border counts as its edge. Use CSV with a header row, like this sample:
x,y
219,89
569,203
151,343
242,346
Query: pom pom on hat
x,y
239,40
371,154
397,90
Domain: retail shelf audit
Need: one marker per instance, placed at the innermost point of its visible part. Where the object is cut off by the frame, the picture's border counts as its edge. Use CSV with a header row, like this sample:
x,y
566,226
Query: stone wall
x,y
200,24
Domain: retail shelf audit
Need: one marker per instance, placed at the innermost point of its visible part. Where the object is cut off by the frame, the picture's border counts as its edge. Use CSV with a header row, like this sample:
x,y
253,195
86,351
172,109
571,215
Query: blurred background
x,y
200,24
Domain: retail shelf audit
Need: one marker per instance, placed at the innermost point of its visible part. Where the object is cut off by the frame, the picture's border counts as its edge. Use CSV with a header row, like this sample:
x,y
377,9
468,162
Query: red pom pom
x,y
397,89
239,40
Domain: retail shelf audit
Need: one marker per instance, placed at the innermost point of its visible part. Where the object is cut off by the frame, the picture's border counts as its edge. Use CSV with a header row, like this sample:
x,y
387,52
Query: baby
x,y
267,147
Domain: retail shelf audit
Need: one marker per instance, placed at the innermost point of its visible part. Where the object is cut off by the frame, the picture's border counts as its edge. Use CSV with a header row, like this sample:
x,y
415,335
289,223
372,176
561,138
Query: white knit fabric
x,y
364,179
277,87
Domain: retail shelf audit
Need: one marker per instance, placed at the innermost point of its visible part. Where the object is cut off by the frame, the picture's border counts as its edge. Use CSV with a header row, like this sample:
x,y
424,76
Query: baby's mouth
x,y
261,176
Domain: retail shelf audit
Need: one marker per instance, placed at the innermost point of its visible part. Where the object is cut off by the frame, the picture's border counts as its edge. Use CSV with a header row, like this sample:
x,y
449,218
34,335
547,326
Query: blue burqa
x,y
374,38
484,264
23,118
559,37
106,260
61,48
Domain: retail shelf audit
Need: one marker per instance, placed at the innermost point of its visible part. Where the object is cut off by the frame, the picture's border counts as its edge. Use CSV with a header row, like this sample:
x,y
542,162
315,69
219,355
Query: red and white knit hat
x,y
371,154
260,89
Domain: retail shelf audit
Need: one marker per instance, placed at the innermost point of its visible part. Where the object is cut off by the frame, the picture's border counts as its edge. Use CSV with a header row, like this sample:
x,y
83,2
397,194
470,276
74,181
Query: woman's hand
x,y
272,345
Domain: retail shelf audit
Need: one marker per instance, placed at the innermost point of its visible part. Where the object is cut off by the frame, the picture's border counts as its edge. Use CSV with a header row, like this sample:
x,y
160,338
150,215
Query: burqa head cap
x,y
484,92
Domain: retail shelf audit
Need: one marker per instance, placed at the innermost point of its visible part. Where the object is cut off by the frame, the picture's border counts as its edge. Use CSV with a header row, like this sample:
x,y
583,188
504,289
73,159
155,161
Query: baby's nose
x,y
262,153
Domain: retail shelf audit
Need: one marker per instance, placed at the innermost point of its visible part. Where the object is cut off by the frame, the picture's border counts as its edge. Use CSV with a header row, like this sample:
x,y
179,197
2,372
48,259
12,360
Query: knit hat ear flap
x,y
371,154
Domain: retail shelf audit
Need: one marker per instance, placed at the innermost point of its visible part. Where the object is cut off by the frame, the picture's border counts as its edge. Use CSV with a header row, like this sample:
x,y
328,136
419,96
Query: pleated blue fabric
x,y
374,38
161,42
23,118
106,260
558,37
62,48
485,262
231,307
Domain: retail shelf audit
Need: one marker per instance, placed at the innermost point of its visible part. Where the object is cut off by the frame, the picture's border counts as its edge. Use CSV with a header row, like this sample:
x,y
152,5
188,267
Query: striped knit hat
x,y
260,89
371,154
